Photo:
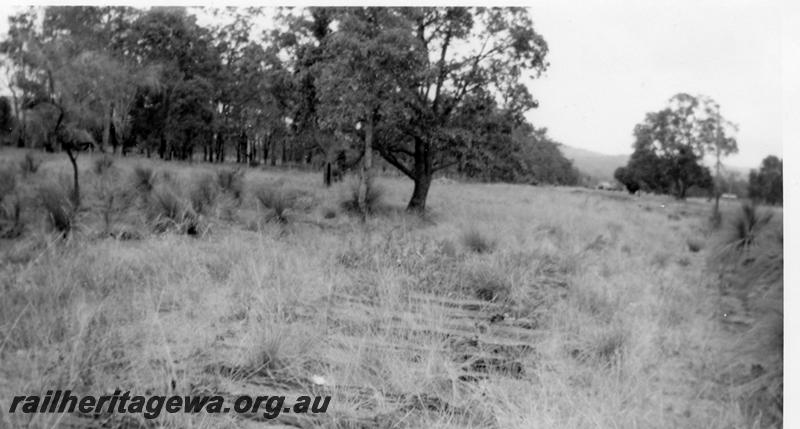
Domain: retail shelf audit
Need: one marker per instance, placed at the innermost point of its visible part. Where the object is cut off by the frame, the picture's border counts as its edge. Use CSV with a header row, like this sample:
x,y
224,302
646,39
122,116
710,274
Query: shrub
x,y
231,182
30,164
372,199
476,241
747,225
103,164
58,207
204,194
277,200
144,179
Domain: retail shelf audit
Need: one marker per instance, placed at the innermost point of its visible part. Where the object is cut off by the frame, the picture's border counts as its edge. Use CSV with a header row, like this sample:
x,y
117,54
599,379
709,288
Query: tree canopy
x,y
670,144
428,89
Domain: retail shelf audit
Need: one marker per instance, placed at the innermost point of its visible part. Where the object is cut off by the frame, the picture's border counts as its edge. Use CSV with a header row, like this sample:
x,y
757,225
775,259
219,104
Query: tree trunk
x,y
716,215
366,167
423,176
107,109
221,147
682,188
238,152
113,138
22,137
20,125
267,138
328,173
76,190
273,156
422,184
162,146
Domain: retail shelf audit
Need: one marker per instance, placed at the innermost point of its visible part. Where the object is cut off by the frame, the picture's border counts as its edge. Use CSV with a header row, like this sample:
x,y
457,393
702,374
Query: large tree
x,y
670,145
462,50
418,104
364,63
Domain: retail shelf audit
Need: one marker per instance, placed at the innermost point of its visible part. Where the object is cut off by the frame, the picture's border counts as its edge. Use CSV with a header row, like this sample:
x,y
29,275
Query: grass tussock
x,y
8,182
329,213
30,163
278,201
11,224
231,182
204,194
695,244
477,241
373,196
114,201
168,211
102,164
143,180
486,283
747,225
58,208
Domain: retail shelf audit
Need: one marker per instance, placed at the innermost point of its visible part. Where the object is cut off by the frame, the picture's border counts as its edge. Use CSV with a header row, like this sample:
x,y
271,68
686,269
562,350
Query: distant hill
x,y
597,165
600,167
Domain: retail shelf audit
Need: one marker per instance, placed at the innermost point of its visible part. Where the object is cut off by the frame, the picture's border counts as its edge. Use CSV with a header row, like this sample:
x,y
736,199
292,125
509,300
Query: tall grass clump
x,y
10,205
102,164
8,182
277,201
167,210
113,201
747,224
485,282
231,182
11,217
203,195
58,207
30,164
478,242
144,180
373,198
695,244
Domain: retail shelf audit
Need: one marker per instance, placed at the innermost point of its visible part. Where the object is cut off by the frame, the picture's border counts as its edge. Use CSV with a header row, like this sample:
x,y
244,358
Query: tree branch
x,y
391,159
441,67
438,167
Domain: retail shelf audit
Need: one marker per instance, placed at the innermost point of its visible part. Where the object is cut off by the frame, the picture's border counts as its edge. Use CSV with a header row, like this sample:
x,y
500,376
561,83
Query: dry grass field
x,y
506,306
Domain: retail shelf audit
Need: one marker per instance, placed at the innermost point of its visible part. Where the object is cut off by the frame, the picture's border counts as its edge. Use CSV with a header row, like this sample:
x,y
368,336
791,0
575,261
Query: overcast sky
x,y
613,61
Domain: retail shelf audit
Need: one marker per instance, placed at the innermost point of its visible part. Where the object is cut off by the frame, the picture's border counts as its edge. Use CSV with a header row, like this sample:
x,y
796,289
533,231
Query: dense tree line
x,y
427,89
